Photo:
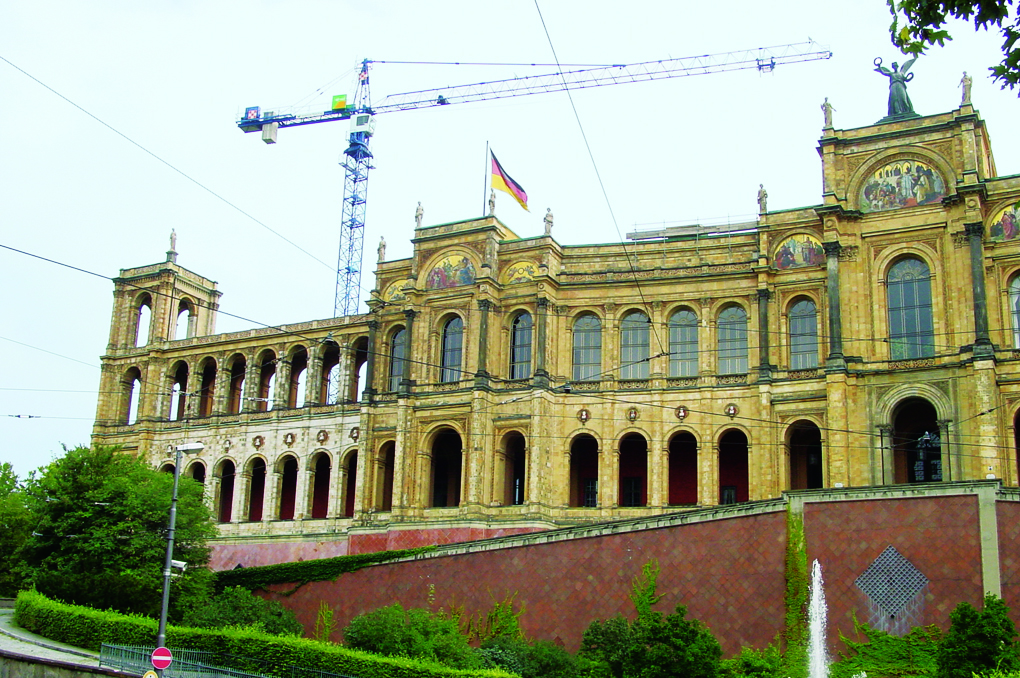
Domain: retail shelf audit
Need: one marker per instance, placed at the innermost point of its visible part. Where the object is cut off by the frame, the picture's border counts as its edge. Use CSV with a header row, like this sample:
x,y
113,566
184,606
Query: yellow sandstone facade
x,y
506,384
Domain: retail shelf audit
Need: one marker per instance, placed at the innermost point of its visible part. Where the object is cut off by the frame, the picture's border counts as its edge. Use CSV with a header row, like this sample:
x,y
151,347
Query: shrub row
x,y
322,569
88,628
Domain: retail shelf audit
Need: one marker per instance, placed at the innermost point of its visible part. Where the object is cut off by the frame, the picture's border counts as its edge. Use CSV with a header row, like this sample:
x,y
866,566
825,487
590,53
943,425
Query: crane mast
x,y
362,116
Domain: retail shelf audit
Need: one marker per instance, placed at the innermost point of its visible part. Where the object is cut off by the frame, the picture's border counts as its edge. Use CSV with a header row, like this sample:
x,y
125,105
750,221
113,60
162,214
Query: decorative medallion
x,y
632,414
355,433
257,442
227,444
902,183
583,416
798,251
731,410
288,439
394,292
1006,224
322,436
681,413
451,271
521,271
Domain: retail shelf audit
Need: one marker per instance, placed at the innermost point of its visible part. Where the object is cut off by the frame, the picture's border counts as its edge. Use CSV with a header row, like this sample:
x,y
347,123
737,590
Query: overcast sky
x,y
174,76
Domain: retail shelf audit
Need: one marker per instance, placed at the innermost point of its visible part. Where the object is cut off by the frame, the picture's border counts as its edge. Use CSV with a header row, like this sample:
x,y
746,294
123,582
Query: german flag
x,y
502,181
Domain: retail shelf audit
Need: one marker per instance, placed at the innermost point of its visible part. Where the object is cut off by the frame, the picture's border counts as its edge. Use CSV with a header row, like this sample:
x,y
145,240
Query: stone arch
x,y
454,273
131,395
884,408
357,377
287,467
265,392
320,466
329,375
584,470
633,485
226,476
805,458
237,368
207,369
255,468
446,470
906,153
734,462
141,319
384,468
917,449
349,464
195,470
297,391
396,352
683,467
186,320
511,469
177,387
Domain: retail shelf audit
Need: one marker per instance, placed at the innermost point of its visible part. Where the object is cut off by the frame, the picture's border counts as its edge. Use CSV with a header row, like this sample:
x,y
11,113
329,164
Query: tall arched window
x,y
398,355
143,321
634,346
911,331
587,348
453,349
803,335
683,344
732,340
520,347
1014,309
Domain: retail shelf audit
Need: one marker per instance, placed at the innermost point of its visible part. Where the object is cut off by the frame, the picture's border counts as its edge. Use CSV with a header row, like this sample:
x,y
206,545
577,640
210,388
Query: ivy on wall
x,y
795,603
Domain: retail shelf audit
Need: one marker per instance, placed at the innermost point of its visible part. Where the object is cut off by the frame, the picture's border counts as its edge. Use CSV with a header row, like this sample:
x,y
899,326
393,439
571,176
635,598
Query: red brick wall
x,y
1009,553
938,535
729,573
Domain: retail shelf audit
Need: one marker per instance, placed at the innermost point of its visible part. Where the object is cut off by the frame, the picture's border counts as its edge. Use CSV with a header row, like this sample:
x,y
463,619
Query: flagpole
x,y
485,181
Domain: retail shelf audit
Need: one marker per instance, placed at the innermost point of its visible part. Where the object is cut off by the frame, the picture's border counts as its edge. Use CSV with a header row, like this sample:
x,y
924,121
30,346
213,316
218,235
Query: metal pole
x,y
161,634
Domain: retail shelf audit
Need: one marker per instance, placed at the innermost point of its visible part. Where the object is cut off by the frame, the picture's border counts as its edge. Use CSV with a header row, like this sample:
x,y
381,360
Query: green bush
x,y
882,654
978,641
541,659
267,654
754,663
394,631
240,608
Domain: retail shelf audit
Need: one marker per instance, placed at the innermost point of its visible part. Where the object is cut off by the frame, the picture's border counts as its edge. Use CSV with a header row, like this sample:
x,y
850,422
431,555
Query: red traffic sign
x,y
161,658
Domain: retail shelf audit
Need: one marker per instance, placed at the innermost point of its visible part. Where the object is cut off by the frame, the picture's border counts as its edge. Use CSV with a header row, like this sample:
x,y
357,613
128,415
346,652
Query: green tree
x,y
653,645
100,533
918,24
15,528
978,641
237,607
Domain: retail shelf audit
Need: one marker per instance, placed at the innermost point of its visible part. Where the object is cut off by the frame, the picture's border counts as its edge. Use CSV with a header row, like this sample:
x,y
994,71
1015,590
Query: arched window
x,y
132,395
683,344
1014,309
911,331
634,346
296,389
587,348
238,371
398,355
520,347
732,340
185,326
143,321
453,349
803,335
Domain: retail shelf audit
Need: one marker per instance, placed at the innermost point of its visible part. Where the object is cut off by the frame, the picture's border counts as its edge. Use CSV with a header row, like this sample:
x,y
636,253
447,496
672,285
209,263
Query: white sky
x,y
174,76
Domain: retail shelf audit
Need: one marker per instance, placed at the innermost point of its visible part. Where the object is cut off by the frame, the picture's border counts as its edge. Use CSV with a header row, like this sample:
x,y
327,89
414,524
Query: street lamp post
x,y
190,448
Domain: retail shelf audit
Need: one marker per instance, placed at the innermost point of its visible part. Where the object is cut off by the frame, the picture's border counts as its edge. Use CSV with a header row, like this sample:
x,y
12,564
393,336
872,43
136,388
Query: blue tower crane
x,y
357,162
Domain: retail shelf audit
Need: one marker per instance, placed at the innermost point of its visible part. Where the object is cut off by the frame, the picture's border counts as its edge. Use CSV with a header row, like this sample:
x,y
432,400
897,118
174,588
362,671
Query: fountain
x,y
818,657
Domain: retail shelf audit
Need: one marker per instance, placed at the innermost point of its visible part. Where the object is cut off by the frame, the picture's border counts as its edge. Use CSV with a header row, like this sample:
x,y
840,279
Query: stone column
x,y
982,342
764,367
252,372
281,388
835,359
424,476
373,343
949,472
407,381
609,491
343,385
271,499
541,375
482,374
313,378
239,505
302,498
886,471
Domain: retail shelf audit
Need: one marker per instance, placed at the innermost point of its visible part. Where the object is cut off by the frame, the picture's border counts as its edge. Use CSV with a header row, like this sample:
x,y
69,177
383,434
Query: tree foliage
x,y
415,633
100,533
654,645
15,528
239,608
919,24
978,641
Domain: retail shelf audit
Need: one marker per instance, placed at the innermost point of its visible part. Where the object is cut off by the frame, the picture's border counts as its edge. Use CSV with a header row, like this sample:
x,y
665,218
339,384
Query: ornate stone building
x,y
502,384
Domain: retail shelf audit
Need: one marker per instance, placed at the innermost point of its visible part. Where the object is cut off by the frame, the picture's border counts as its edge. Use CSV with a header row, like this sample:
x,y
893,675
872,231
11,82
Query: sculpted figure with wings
x,y
899,102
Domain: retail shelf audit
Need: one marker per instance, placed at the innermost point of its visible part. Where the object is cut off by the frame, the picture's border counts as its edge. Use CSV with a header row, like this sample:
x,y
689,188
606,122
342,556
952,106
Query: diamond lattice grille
x,y
891,582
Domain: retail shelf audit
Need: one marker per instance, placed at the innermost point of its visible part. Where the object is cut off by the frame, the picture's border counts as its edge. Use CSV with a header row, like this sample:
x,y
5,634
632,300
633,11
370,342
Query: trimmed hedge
x,y
88,628
322,569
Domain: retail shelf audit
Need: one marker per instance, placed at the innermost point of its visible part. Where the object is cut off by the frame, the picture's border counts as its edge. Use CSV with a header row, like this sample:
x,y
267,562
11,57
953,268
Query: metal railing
x,y
195,664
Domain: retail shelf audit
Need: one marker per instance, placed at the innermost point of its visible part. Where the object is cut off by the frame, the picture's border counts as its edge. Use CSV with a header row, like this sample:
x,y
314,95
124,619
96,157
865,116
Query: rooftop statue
x,y
899,102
